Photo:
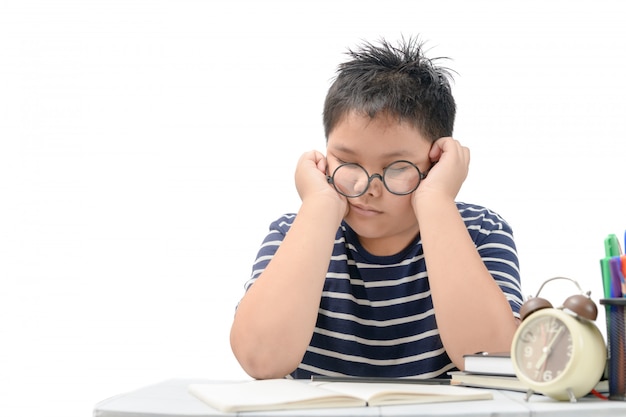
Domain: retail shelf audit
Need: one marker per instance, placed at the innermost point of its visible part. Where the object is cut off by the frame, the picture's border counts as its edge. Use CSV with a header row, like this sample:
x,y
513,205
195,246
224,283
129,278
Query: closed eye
x,y
341,161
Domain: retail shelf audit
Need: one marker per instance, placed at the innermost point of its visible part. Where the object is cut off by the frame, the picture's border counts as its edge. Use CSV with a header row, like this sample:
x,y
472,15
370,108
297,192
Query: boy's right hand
x,y
311,181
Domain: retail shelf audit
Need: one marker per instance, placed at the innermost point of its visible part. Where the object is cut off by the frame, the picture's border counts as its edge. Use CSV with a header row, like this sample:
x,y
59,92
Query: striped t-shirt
x,y
376,315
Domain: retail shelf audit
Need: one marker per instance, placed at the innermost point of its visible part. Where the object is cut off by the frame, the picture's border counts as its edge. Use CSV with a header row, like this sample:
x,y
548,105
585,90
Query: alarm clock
x,y
559,352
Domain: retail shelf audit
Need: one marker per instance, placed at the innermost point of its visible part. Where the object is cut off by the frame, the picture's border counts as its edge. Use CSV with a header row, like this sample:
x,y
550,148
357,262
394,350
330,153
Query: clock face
x,y
544,348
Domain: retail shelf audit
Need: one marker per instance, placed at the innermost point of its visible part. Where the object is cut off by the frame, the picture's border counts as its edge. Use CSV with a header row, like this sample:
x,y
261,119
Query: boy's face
x,y
385,222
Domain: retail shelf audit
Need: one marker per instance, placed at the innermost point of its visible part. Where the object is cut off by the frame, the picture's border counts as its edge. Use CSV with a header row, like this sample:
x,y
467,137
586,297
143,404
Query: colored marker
x,y
623,262
611,246
606,277
611,249
617,278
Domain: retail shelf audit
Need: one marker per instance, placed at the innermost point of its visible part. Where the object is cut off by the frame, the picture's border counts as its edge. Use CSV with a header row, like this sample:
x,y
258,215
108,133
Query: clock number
x,y
554,326
570,347
528,351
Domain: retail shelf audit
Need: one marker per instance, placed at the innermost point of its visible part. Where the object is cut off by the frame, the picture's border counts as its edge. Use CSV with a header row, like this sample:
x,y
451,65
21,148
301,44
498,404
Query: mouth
x,y
364,210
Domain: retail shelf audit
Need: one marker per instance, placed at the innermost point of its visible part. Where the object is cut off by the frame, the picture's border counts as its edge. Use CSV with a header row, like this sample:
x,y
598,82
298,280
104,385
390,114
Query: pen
x,y
623,261
429,381
606,277
611,246
617,279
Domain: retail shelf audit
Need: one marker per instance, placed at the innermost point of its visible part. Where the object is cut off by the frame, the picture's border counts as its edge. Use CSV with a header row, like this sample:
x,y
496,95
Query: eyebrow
x,y
395,154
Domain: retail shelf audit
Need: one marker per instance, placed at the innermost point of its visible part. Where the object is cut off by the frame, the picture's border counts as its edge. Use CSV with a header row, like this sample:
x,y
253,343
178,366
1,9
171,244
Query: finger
x,y
447,144
319,160
312,156
321,164
436,149
466,152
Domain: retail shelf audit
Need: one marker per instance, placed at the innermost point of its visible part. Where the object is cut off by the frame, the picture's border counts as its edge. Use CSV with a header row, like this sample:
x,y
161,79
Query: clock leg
x,y
529,394
570,394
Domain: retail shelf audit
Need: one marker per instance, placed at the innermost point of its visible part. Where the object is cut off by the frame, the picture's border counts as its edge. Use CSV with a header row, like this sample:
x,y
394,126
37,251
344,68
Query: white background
x,y
145,146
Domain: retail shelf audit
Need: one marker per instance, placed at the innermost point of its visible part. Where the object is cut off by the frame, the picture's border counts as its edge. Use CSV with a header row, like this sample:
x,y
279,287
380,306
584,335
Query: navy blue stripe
x,y
369,298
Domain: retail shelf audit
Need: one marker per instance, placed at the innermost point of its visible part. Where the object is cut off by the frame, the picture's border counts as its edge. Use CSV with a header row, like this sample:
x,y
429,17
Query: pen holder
x,y
616,341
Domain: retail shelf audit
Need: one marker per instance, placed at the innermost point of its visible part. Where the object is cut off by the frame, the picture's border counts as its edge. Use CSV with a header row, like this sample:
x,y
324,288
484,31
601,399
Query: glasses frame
x,y
370,178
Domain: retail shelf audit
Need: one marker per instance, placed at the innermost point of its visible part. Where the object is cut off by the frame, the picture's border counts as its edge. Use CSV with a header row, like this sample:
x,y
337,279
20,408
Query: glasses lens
x,y
402,177
350,179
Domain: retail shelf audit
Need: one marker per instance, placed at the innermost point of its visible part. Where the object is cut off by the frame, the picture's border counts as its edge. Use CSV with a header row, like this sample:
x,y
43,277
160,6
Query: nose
x,y
375,187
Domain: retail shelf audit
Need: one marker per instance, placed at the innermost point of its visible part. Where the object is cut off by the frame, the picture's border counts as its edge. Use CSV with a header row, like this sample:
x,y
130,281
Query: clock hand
x,y
548,349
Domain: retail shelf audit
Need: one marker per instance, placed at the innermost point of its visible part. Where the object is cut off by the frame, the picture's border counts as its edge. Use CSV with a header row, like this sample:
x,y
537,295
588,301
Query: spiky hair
x,y
394,80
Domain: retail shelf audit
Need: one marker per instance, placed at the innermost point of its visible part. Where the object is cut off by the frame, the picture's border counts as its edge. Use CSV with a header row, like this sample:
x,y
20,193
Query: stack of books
x,y
495,371
488,370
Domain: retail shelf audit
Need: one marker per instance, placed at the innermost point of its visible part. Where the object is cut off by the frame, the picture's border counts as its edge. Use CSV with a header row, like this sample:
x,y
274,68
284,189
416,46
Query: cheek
x,y
402,207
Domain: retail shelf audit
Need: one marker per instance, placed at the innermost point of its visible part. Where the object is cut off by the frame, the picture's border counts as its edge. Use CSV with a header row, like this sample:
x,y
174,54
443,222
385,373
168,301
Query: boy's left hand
x,y
449,170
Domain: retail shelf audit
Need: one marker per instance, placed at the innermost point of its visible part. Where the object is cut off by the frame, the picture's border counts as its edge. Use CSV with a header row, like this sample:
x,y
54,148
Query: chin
x,y
382,229
368,228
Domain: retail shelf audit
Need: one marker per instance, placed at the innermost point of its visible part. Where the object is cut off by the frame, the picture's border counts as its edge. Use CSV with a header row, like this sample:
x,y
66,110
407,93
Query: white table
x,y
171,399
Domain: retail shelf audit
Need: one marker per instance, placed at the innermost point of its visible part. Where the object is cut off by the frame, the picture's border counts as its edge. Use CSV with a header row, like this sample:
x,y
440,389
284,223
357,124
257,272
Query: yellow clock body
x,y
558,355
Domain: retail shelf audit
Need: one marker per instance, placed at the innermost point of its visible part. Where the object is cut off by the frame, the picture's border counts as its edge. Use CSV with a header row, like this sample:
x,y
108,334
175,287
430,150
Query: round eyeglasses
x,y
352,180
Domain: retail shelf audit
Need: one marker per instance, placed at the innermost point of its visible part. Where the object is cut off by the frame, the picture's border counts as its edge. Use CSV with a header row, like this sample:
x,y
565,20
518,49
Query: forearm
x,y
275,319
472,312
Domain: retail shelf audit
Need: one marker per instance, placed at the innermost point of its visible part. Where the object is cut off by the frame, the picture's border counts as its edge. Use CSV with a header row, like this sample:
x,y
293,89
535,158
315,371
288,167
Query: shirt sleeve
x,y
277,231
495,244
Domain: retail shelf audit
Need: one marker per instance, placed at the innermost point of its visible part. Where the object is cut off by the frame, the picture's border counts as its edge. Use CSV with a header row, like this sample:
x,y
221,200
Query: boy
x,y
381,272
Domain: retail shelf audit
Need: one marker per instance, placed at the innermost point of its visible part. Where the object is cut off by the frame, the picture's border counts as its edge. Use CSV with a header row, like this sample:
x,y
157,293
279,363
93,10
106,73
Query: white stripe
x,y
506,279
377,362
271,243
377,323
285,223
490,232
507,284
263,258
381,303
373,342
342,258
496,246
316,370
403,263
484,219
376,284
396,282
511,264
502,233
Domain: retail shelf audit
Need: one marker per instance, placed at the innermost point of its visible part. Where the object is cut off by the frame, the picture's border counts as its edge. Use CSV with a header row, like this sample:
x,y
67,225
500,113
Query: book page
x,y
390,393
270,394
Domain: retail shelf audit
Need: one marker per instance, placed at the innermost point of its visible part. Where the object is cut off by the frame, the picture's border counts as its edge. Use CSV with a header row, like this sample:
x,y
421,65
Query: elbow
x,y
495,339
263,366
259,369
259,361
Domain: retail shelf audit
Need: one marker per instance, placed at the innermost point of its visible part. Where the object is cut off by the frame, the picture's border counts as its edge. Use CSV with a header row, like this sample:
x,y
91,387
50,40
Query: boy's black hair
x,y
393,80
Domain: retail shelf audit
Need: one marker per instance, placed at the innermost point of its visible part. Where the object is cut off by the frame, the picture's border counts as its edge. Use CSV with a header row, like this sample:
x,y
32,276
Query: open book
x,y
284,394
